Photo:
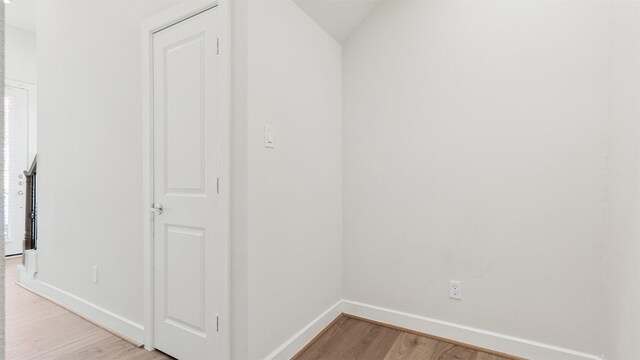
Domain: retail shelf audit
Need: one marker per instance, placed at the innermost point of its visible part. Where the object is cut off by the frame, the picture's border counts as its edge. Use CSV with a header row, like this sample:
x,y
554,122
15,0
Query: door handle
x,y
20,192
156,208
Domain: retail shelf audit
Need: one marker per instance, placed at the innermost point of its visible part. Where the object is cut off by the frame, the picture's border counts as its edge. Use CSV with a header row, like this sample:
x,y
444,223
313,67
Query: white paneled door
x,y
185,168
16,115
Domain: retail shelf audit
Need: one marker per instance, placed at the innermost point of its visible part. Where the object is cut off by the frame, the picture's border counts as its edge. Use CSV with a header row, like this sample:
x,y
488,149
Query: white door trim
x,y
32,116
30,144
154,24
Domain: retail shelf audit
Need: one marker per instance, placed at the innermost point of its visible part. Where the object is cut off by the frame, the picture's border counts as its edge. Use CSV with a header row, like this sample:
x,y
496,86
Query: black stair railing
x,y
31,214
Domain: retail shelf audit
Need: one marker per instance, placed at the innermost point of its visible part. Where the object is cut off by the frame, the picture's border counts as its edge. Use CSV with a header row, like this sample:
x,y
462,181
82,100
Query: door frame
x,y
171,16
32,105
32,116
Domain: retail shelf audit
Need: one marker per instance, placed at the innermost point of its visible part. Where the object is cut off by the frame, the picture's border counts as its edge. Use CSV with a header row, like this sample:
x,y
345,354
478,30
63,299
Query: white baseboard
x,y
465,334
482,338
102,317
486,339
298,341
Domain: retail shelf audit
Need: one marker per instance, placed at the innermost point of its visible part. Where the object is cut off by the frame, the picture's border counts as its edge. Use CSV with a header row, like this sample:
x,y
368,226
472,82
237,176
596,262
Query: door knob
x,y
156,208
20,192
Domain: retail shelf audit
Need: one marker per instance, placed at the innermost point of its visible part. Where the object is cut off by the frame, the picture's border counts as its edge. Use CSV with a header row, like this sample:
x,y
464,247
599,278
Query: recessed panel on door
x,y
185,249
185,170
185,115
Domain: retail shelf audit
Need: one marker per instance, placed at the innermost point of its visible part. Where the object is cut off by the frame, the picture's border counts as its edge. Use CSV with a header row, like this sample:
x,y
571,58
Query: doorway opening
x,y
19,156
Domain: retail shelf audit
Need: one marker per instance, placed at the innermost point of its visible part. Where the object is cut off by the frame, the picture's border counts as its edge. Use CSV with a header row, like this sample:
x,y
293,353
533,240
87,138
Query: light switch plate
x,y
269,140
94,274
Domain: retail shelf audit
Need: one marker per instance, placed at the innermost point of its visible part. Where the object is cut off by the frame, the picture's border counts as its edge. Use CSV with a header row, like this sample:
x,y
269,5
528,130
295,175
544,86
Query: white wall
x,y
20,66
20,59
294,190
286,202
89,166
622,270
475,141
239,173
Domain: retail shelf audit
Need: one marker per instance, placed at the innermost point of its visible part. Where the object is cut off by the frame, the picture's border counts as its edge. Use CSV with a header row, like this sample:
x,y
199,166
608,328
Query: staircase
x,y
30,226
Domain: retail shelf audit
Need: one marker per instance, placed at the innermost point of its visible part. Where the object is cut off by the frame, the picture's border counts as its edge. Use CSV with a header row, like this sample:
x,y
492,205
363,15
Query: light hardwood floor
x,y
39,329
351,338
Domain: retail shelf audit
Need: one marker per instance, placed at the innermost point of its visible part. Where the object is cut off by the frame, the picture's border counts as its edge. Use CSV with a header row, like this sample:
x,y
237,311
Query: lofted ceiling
x,y
339,18
21,14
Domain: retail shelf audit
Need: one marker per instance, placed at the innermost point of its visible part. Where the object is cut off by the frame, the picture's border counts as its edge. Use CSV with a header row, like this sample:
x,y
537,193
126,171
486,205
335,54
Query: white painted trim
x,y
304,336
19,84
86,309
224,203
156,23
487,339
32,115
482,338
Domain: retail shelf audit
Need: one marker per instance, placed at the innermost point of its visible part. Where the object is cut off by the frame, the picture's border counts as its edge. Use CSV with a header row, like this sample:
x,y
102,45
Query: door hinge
x,y
217,323
217,46
218,185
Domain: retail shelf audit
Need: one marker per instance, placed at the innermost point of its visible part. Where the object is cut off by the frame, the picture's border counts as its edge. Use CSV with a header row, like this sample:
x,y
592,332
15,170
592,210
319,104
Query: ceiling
x,y
339,18
21,14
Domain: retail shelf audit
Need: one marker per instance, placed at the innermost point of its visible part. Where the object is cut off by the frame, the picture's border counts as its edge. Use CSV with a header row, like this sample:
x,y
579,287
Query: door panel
x,y
185,143
185,260
16,106
185,120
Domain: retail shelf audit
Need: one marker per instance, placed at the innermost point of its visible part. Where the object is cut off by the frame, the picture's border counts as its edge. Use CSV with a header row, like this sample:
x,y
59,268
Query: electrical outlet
x,y
455,289
94,274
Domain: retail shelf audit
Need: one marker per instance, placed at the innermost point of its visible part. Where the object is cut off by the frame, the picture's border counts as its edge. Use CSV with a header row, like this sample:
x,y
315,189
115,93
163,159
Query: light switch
x,y
269,141
94,274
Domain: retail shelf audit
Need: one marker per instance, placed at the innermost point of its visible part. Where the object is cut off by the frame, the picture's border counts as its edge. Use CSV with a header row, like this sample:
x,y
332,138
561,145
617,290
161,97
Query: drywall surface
x,y
338,18
239,172
293,190
21,55
21,67
622,270
89,165
474,142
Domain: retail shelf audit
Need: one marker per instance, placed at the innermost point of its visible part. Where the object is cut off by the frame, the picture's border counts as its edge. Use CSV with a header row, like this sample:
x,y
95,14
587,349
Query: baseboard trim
x,y
464,334
497,342
308,334
99,316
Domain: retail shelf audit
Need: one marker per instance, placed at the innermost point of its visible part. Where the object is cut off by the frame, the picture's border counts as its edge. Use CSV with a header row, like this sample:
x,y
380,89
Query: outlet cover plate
x,y
455,289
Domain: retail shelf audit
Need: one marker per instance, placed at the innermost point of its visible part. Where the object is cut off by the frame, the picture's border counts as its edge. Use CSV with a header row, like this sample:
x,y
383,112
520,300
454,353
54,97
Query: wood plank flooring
x,y
349,339
39,329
